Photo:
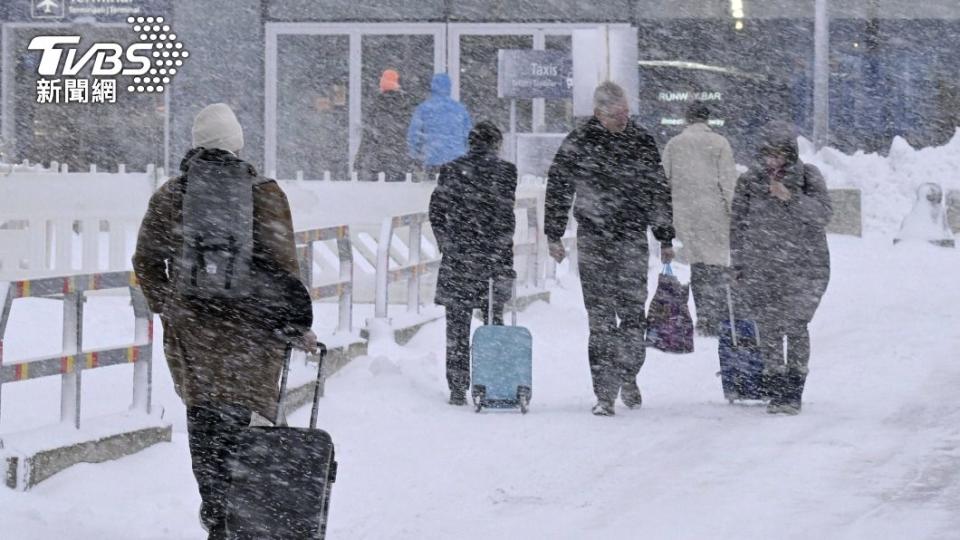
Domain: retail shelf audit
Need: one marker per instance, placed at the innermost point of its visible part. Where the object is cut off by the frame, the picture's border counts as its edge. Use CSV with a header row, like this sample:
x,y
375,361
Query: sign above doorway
x,y
528,74
101,11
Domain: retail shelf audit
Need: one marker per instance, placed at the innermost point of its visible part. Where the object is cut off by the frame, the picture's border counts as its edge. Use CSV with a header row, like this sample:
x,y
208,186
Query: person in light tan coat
x,y
699,164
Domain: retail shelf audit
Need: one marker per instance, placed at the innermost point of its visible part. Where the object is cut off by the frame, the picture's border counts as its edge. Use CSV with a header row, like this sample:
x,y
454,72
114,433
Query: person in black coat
x,y
383,144
472,216
781,260
613,167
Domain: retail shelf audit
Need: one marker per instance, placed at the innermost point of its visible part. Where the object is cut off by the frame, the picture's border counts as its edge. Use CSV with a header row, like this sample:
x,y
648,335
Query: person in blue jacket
x,y
439,128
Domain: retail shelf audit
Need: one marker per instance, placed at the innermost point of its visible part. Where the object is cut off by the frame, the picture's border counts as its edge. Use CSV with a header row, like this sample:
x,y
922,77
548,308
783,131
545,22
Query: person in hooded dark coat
x,y
472,216
383,145
781,259
439,128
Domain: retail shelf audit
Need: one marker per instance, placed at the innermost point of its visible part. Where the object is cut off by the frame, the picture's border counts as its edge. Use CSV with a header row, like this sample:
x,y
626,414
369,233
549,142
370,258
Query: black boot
x,y
604,407
457,398
792,402
769,386
775,388
630,394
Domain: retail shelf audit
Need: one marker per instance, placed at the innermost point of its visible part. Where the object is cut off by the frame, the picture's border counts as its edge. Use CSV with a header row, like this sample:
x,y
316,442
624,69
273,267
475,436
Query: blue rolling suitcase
x,y
501,364
741,360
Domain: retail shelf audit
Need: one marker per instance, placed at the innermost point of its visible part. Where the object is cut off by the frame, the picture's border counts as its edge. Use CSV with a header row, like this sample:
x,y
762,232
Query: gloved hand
x,y
666,254
308,342
557,251
734,276
302,340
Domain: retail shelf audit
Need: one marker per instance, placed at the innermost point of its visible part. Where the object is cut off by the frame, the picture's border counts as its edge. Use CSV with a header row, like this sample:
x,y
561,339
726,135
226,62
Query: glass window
x,y
745,75
410,55
558,113
129,131
313,113
478,80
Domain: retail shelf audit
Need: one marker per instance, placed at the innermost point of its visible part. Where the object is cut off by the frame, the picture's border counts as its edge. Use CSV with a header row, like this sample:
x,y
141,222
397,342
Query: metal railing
x,y
74,360
410,268
342,289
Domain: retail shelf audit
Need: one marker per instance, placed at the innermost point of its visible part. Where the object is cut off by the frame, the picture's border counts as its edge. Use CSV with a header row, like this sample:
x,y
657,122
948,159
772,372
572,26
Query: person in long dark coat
x,y
383,144
472,216
609,171
781,260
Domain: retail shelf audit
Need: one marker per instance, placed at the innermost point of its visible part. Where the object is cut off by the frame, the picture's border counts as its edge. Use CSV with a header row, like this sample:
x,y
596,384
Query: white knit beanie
x,y
217,127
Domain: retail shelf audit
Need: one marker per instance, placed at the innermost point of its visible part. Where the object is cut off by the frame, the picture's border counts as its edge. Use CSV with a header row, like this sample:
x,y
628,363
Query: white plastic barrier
x,y
74,359
29,457
527,246
55,223
354,176
7,169
398,263
360,204
342,287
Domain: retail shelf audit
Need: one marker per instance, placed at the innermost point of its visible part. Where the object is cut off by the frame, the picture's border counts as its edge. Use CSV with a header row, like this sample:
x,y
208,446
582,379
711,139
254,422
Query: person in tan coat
x,y
703,176
225,360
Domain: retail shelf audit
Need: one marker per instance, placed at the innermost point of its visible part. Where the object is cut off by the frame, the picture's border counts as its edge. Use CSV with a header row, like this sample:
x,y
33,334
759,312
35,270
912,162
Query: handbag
x,y
669,324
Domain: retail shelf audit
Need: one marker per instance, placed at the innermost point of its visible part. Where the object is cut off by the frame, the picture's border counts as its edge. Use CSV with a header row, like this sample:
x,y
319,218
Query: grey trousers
x,y
613,275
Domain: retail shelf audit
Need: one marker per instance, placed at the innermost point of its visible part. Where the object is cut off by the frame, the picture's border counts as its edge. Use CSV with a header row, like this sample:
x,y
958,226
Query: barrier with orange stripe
x,y
70,364
411,267
342,289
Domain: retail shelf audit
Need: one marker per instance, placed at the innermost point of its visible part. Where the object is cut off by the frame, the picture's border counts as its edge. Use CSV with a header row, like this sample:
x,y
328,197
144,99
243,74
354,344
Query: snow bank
x,y
888,184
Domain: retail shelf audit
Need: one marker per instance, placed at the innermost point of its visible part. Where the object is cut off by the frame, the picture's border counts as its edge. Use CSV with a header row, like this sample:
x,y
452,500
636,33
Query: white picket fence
x,y
57,223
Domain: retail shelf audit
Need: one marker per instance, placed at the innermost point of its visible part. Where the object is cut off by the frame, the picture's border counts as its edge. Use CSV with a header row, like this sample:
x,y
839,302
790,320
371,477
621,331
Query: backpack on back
x,y
216,262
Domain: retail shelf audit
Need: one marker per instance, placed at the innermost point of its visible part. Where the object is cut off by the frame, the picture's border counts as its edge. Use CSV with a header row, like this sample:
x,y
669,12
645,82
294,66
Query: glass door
x,y
313,105
320,80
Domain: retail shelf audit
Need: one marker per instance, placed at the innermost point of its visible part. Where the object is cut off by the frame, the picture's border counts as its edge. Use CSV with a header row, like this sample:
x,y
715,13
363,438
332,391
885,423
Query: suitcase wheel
x,y
478,392
523,398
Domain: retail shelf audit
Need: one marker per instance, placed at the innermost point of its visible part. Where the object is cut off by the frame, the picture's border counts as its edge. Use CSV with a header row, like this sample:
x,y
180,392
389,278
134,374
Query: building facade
x,y
298,72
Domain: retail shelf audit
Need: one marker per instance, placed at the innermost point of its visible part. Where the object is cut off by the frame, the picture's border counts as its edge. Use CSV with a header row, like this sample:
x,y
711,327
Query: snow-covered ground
x,y
875,453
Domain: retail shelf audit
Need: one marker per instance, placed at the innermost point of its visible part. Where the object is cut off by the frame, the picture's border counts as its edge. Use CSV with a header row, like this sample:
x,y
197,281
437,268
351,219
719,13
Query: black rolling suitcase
x,y
281,477
741,361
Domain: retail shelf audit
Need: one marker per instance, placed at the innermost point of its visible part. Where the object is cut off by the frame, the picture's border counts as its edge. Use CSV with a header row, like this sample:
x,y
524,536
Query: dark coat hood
x,y
780,138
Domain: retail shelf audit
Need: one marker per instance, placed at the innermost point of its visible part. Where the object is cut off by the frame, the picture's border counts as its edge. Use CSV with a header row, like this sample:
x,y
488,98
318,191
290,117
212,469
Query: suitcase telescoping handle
x,y
490,304
733,322
281,418
513,304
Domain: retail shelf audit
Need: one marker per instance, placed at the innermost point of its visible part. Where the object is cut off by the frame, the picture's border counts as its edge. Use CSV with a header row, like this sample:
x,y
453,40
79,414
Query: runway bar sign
x,y
528,74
